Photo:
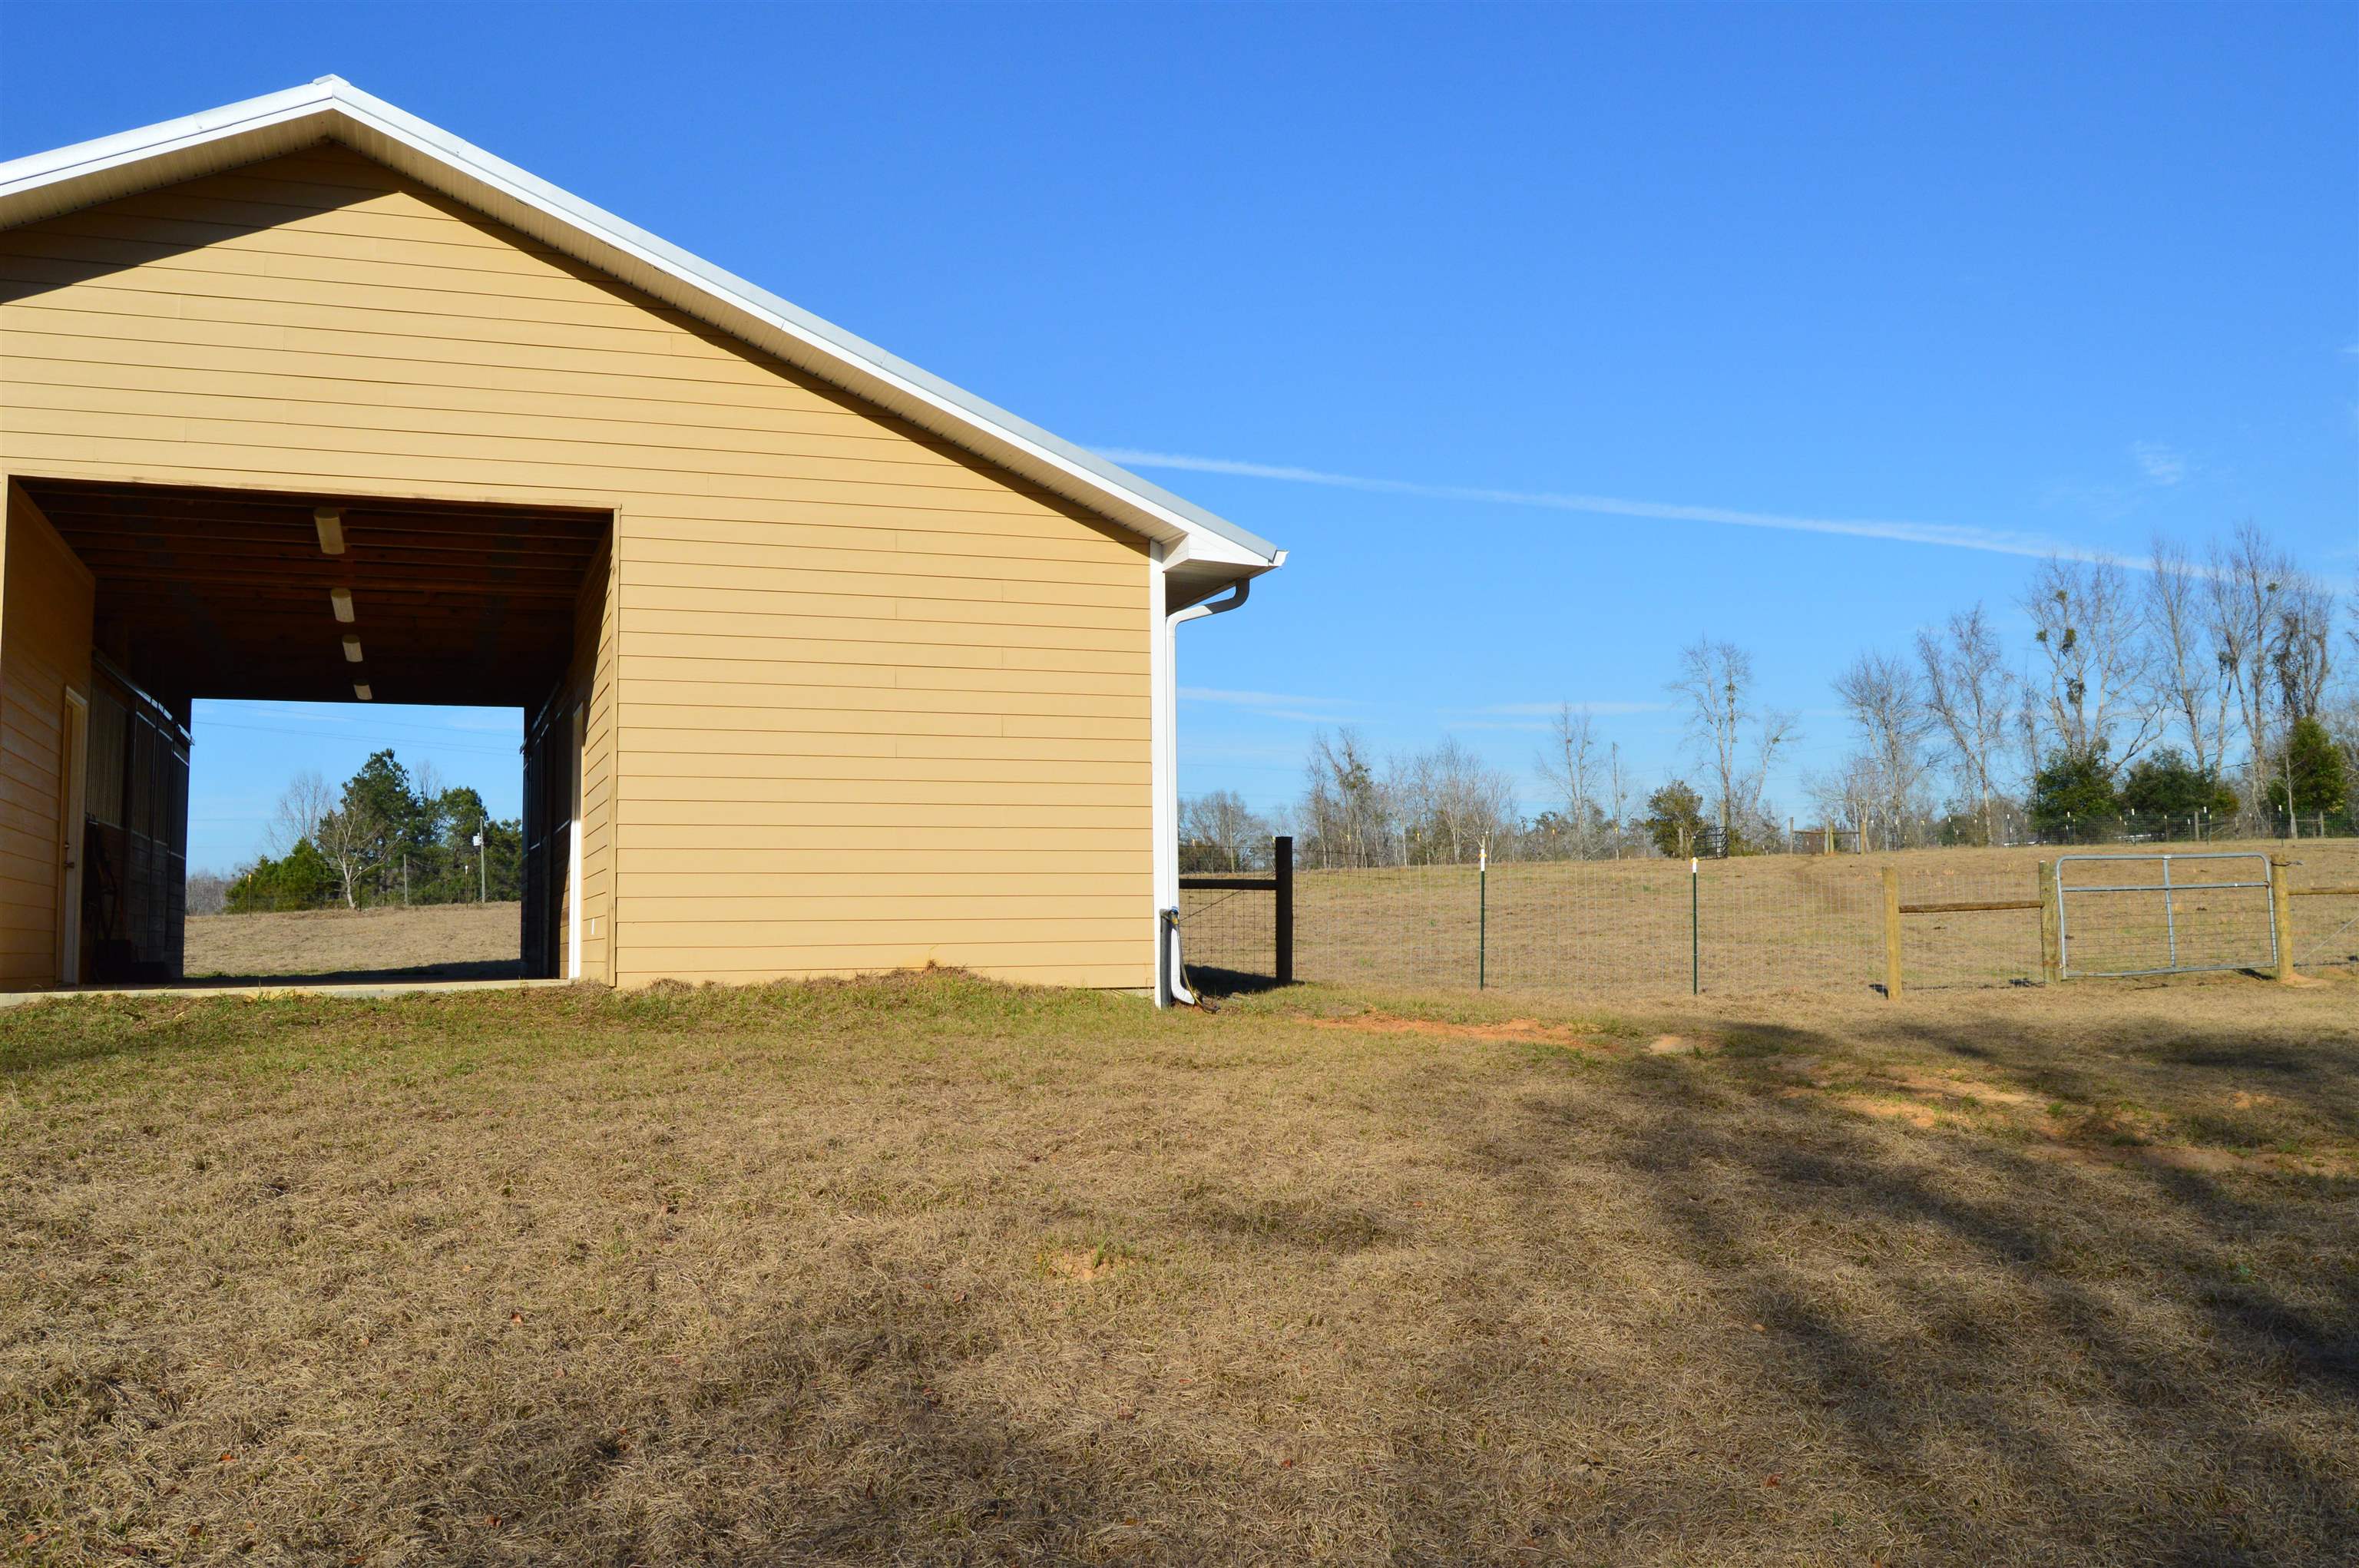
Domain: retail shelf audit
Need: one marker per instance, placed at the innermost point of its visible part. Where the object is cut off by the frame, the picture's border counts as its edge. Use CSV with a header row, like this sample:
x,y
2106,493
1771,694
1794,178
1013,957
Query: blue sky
x,y
1797,321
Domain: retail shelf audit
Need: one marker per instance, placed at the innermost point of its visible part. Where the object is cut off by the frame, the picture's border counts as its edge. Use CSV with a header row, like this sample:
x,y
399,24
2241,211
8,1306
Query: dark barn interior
x,y
304,598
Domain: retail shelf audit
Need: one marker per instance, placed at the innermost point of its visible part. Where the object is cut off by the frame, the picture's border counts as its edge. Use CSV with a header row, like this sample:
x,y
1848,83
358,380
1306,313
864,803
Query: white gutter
x,y
1164,734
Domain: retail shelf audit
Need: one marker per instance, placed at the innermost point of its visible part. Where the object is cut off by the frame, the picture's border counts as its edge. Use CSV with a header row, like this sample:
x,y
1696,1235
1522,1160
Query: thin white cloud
x,y
1272,704
1996,542
1598,710
2159,464
1258,699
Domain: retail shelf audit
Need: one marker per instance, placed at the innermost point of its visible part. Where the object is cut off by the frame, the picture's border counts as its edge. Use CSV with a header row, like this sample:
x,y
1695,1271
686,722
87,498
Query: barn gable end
x,y
850,696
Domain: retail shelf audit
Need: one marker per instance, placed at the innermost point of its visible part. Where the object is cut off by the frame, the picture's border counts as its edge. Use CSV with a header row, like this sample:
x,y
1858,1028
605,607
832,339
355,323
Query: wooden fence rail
x,y
2051,942
1280,882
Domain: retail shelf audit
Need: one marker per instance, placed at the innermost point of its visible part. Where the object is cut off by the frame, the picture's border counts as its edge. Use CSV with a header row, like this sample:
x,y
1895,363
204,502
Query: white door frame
x,y
73,780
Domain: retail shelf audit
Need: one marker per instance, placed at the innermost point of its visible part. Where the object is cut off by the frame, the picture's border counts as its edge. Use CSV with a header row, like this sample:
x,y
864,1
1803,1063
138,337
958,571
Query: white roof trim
x,y
47,184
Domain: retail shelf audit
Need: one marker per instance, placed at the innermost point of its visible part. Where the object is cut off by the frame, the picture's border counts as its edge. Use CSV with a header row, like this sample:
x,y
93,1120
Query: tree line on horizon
x,y
2201,694
384,836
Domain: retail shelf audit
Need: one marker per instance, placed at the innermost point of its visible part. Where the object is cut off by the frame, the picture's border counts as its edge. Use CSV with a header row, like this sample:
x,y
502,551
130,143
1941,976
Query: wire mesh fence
x,y
2325,908
1632,926
1968,946
1761,923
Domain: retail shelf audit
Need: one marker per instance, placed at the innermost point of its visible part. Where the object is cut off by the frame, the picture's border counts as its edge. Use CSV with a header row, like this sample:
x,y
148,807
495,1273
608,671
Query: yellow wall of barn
x,y
858,701
45,630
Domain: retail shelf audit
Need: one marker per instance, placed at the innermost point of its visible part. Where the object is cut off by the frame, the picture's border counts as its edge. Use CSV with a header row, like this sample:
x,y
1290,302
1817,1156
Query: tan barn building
x,y
827,666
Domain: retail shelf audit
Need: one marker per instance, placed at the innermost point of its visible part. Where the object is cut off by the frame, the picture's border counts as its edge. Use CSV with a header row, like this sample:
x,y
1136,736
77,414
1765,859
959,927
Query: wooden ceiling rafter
x,y
226,594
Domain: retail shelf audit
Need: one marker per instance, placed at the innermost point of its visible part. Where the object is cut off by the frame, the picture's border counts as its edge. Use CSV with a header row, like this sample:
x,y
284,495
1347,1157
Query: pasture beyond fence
x,y
1764,923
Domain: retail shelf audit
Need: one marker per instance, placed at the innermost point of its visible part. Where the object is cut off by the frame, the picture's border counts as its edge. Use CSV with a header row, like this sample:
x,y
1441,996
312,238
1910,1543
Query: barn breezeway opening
x,y
354,843
134,611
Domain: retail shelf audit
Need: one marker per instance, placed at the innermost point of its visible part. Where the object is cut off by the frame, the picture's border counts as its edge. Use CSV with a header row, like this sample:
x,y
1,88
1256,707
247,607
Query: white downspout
x,y
573,857
1164,658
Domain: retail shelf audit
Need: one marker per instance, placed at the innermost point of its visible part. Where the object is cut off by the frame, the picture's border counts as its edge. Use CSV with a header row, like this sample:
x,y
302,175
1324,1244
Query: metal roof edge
x,y
76,160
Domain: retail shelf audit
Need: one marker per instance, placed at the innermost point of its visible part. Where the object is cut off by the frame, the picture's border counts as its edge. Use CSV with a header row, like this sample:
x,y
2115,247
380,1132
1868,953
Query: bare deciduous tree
x,y
1969,694
1346,807
1617,786
1453,803
426,781
299,812
1569,762
2091,634
1221,828
1880,695
341,828
2240,601
1851,796
2188,667
1716,679
207,893
2303,659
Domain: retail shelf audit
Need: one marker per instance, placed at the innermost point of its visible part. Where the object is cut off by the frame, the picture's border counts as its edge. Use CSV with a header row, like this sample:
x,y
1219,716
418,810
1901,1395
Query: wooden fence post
x,y
2281,912
1891,933
1282,863
2052,925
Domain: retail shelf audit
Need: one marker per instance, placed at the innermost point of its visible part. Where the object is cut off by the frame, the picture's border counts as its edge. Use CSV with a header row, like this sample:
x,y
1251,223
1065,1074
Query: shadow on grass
x,y
819,1435
1974,1350
479,969
1220,983
2077,1361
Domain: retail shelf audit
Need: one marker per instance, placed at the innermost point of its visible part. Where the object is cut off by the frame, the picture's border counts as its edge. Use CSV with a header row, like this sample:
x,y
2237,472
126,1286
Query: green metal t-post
x,y
1695,931
1482,917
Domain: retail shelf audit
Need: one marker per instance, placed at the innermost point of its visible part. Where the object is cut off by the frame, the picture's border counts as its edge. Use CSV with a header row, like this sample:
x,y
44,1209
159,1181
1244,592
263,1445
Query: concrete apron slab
x,y
296,988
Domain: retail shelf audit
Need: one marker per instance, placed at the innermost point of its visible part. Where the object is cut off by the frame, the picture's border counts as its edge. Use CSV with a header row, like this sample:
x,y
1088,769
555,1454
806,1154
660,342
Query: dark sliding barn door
x,y
548,848
134,836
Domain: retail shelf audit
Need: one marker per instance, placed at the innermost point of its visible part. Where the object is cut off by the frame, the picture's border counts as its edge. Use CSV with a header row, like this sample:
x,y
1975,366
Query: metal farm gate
x,y
2165,914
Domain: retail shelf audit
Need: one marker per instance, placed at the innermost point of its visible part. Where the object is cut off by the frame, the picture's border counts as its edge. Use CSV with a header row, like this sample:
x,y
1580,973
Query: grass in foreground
x,y
929,1269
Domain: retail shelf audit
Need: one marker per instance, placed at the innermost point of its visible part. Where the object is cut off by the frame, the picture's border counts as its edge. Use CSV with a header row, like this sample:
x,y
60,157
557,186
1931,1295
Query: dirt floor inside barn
x,y
926,1270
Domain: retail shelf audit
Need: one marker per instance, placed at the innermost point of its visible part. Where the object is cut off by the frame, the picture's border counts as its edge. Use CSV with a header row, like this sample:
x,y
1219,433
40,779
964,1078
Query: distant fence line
x,y
1396,851
1748,924
265,903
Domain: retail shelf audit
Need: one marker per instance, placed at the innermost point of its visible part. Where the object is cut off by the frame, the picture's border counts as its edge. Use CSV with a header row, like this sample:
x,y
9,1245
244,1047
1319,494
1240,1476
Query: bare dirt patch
x,y
2193,1158
1974,1090
1079,1266
1527,1031
2121,1135
1916,1113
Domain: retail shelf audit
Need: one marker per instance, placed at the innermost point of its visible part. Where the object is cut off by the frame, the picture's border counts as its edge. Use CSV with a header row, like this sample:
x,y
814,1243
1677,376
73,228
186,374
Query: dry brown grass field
x,y
1763,923
930,1270
433,941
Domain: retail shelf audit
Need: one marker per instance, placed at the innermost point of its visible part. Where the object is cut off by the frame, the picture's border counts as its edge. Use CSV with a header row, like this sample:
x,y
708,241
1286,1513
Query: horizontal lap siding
x,y
856,700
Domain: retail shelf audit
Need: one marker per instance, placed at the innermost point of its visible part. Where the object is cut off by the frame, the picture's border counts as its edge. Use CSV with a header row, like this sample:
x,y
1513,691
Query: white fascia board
x,y
45,184
64,175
